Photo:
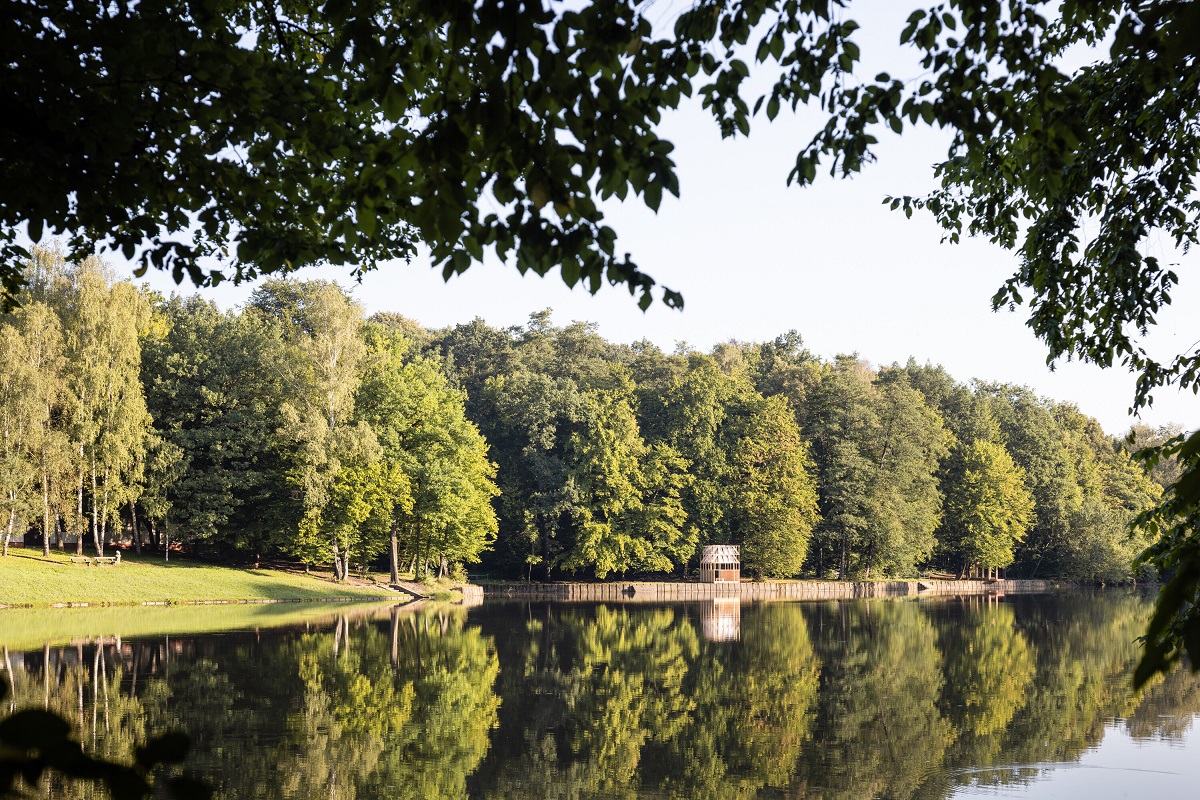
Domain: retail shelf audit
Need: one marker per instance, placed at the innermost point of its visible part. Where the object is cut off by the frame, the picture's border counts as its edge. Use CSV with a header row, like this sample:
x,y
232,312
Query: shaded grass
x,y
31,628
28,579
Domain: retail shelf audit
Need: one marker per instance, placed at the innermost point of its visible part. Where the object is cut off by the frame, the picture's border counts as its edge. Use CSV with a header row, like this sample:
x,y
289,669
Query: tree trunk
x,y
166,540
79,496
337,566
12,517
104,515
96,540
46,514
395,555
417,565
137,532
442,569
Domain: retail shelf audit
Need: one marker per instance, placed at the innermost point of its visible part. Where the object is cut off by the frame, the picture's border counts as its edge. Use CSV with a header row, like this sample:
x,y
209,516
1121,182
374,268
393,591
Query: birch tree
x,y
104,357
17,408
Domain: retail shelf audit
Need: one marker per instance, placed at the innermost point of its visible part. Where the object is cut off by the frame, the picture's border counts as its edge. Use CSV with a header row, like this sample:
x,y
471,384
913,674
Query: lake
x,y
1022,696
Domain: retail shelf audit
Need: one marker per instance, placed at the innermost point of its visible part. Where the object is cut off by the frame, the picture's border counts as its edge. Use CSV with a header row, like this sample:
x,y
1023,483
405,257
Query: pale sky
x,y
755,258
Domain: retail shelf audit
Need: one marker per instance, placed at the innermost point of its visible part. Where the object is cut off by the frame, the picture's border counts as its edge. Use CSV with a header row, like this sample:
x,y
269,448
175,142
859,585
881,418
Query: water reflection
x,y
721,620
833,700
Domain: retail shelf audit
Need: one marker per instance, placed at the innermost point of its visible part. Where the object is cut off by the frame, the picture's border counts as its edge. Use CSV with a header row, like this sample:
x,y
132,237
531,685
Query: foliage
x,y
773,502
214,383
988,510
424,119
420,421
297,427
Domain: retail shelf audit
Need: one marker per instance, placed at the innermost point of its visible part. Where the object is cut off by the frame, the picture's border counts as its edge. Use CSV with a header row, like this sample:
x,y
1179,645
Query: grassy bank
x,y
28,579
31,628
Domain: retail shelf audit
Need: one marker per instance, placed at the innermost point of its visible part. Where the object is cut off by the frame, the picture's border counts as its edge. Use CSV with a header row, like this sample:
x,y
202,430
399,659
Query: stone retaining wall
x,y
660,592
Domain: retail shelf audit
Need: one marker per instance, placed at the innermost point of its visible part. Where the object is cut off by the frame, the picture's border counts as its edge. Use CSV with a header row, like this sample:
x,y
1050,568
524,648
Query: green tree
x,y
1037,444
692,419
629,514
47,396
773,496
988,508
102,322
214,384
445,513
877,445
334,465
18,473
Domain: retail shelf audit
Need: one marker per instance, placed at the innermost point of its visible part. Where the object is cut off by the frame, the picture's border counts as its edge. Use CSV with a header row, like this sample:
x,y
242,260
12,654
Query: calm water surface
x,y
1024,696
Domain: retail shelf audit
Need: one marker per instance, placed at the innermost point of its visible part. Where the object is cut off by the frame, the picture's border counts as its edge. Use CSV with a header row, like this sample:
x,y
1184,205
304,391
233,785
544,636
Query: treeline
x,y
295,426
623,458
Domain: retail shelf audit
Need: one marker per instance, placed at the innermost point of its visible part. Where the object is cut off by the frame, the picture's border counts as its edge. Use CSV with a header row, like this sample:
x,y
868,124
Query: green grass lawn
x,y
30,628
28,579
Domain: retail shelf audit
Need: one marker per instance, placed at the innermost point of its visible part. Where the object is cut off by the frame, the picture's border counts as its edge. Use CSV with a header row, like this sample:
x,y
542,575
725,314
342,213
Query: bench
x,y
98,560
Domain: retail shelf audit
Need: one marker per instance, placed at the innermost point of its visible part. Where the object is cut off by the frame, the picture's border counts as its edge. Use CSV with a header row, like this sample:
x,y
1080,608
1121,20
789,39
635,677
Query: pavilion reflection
x,y
721,620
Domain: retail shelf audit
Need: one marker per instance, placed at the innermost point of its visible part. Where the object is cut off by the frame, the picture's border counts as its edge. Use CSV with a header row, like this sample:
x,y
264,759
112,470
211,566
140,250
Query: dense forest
x,y
298,427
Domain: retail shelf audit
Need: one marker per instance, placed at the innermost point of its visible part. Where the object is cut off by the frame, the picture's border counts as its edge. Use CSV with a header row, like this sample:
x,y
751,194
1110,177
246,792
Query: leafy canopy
x,y
217,139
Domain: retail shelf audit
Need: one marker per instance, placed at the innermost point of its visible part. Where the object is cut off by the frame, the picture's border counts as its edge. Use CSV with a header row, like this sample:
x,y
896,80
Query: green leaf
x,y
653,194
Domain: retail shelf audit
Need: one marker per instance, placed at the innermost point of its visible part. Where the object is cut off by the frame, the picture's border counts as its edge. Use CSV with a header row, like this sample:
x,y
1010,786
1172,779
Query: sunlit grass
x,y
26,578
31,628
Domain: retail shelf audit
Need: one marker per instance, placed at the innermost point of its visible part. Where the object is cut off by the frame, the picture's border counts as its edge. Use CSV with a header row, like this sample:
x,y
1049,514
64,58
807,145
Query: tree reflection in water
x,y
835,700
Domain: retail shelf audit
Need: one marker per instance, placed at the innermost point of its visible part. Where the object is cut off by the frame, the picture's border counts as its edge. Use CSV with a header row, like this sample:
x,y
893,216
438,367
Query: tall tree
x,y
616,531
988,508
325,328
773,497
1037,444
18,472
446,511
214,384
877,445
102,321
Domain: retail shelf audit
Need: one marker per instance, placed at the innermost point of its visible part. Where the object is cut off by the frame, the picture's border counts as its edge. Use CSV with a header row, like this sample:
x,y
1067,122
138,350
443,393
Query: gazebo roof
x,y
719,553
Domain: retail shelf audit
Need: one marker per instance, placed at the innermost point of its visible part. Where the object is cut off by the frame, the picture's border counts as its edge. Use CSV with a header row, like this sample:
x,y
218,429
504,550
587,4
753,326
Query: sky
x,y
755,258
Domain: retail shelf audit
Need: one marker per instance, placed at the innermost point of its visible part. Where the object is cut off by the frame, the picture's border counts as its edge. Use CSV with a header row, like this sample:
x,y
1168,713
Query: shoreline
x,y
665,591
238,602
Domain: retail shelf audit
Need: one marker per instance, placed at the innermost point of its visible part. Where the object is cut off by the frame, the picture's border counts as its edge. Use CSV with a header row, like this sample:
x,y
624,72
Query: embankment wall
x,y
659,592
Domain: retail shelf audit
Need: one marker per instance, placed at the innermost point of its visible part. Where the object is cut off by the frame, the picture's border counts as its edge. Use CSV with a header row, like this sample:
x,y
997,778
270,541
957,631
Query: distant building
x,y
720,562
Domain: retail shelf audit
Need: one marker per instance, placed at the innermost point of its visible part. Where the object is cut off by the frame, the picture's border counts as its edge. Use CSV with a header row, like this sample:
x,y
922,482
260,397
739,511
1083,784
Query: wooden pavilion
x,y
720,562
